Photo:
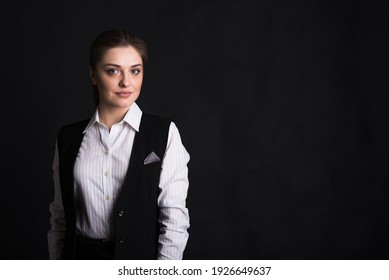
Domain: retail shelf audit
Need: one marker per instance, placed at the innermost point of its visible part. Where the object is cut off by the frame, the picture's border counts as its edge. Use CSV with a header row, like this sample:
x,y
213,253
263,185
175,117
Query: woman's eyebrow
x,y
116,65
112,64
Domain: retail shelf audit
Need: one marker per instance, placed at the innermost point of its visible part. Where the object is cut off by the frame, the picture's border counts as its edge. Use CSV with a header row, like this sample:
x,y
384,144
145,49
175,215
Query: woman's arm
x,y
173,217
56,234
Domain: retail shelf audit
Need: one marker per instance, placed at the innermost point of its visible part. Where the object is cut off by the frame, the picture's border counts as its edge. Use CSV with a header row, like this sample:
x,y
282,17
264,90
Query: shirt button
x,y
107,197
106,152
106,173
120,213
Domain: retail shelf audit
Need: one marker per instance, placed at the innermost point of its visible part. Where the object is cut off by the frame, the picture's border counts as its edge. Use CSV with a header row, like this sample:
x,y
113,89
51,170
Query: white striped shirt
x,y
99,173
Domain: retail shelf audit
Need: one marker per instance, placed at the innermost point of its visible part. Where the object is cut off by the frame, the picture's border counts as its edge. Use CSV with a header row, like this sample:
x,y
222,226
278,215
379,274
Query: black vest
x,y
136,212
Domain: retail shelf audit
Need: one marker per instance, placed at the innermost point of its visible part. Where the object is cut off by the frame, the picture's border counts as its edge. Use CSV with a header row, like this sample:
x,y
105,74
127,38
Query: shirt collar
x,y
132,117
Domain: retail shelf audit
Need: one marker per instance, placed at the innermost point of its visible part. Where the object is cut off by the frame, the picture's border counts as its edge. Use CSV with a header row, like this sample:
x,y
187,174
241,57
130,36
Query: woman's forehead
x,y
124,56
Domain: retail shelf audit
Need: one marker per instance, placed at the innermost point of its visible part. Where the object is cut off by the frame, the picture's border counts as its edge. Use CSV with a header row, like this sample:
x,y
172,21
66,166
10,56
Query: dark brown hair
x,y
112,39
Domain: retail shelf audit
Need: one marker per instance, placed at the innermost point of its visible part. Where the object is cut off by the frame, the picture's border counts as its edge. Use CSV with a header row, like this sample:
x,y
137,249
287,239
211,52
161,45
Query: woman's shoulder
x,y
156,118
159,121
155,124
74,127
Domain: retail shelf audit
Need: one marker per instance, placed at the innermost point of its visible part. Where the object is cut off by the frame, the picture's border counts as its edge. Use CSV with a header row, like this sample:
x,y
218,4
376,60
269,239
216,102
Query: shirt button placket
x,y
106,165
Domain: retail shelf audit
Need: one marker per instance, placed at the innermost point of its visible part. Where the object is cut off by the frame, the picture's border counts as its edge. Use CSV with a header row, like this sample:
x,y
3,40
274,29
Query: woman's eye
x,y
135,71
112,71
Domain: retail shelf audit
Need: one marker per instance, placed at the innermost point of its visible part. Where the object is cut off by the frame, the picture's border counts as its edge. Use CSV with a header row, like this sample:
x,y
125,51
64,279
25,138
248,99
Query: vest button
x,y
122,240
120,213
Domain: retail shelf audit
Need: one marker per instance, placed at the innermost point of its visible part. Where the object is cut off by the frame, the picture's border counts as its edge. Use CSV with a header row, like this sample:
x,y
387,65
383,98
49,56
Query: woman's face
x,y
118,77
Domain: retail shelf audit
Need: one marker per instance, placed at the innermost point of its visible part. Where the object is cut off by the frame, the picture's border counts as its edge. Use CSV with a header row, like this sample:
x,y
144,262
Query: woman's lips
x,y
123,94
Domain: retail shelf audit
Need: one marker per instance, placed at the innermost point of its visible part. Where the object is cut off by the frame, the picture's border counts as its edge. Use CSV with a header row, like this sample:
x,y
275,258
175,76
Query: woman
x,y
120,177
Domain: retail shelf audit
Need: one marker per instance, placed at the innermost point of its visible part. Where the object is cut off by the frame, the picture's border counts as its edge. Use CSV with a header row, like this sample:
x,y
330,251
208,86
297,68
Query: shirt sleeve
x,y
174,183
56,234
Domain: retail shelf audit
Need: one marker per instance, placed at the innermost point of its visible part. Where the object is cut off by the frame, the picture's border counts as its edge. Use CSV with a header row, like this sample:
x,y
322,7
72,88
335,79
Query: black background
x,y
283,106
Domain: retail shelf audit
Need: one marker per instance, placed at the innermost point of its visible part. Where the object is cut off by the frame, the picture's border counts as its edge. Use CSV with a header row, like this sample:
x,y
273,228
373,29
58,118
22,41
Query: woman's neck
x,y
111,115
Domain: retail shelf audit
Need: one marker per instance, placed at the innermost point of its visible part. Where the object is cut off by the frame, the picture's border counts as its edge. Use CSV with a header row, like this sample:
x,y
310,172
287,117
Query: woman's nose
x,y
125,81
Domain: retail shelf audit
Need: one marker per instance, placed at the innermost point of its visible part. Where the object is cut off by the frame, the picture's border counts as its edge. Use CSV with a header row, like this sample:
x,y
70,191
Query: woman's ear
x,y
92,75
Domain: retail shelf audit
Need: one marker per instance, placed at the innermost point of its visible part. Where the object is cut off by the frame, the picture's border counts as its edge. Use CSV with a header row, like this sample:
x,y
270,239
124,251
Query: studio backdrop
x,y
282,105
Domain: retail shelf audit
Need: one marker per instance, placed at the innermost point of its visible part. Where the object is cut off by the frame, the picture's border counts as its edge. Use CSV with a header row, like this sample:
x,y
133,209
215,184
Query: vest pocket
x,y
151,174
